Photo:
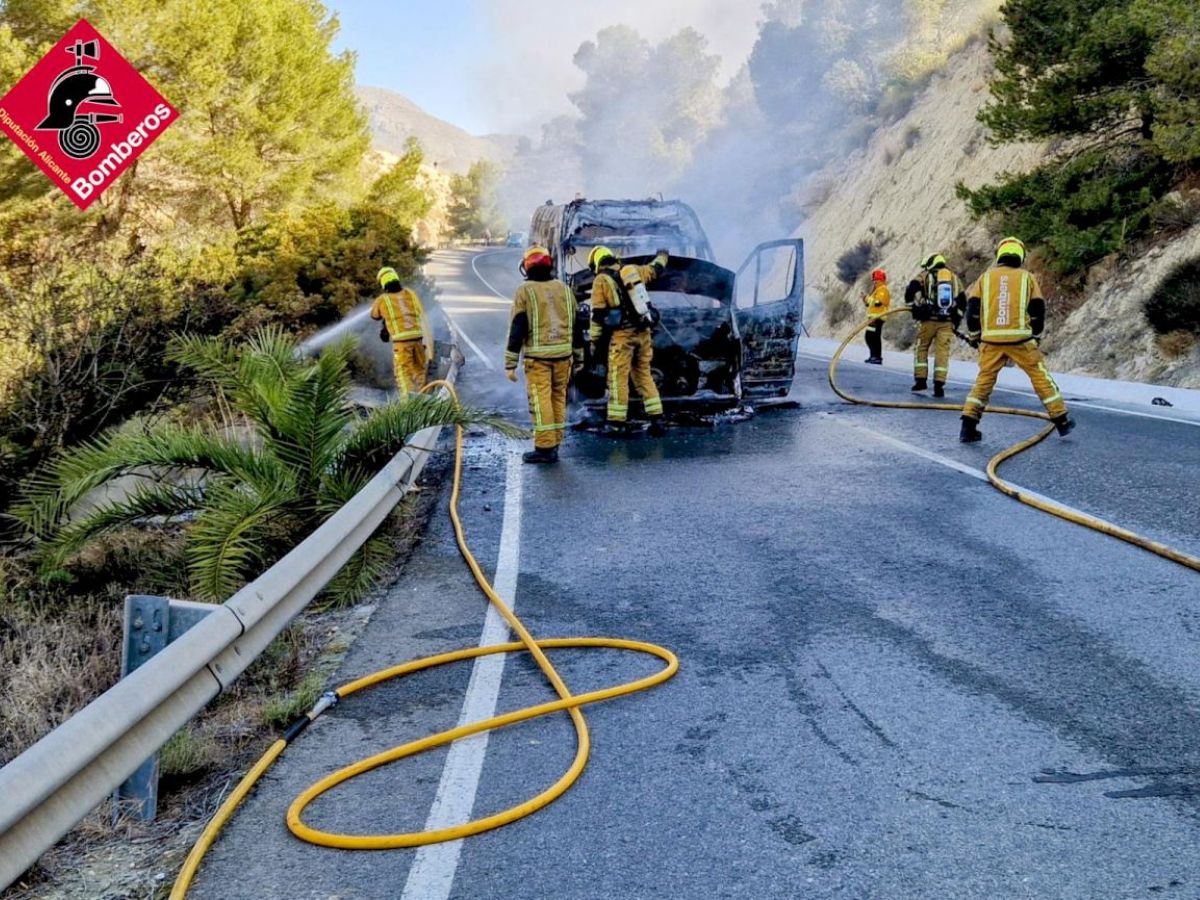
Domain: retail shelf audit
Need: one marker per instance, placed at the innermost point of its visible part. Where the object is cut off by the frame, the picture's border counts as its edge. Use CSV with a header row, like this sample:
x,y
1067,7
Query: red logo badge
x,y
83,114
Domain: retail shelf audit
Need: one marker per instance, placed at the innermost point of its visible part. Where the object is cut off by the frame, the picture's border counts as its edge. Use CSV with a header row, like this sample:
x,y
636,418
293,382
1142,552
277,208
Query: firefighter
x,y
877,303
937,301
1006,313
620,309
543,325
405,325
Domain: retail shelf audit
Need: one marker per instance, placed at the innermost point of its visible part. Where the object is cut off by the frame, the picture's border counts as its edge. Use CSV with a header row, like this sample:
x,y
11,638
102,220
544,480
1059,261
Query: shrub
x,y
839,307
1175,305
903,332
291,454
306,270
1175,212
1079,209
84,347
857,261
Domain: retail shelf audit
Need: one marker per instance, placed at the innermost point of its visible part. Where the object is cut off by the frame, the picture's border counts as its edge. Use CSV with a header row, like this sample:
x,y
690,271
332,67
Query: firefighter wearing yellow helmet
x,y
1006,313
621,310
937,302
405,325
543,327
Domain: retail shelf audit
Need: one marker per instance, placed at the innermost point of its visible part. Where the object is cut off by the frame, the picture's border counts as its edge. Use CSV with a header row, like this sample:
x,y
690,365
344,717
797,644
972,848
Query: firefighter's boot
x,y
939,389
657,429
1064,423
919,384
970,431
541,455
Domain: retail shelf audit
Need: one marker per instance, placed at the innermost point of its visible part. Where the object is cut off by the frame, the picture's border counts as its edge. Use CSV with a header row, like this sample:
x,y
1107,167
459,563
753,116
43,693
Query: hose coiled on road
x,y
1037,501
567,702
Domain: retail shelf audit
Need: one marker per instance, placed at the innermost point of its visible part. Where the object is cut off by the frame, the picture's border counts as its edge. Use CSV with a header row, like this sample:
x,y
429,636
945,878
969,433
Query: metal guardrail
x,y
54,784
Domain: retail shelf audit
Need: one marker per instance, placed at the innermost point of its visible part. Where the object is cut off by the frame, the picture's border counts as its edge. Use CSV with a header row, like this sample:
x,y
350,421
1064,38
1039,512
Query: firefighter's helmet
x,y
1011,246
536,258
598,256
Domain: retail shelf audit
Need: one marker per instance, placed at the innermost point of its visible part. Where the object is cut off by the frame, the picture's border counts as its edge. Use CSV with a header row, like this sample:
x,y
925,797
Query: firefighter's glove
x,y
383,332
973,342
511,375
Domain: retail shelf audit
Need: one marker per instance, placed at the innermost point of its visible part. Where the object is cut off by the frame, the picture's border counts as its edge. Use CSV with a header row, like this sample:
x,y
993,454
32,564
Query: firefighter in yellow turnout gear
x,y
938,302
1006,312
631,334
405,325
544,328
877,303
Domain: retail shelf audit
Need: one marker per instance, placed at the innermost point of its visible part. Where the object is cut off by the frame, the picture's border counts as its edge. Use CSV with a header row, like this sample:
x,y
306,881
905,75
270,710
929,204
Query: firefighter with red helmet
x,y
544,328
877,303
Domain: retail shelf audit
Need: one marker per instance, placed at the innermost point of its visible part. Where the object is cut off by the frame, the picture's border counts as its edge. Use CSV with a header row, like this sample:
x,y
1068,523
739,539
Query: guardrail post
x,y
151,623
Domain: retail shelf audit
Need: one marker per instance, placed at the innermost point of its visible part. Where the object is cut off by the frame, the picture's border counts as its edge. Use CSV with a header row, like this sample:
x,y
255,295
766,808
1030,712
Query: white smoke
x,y
527,82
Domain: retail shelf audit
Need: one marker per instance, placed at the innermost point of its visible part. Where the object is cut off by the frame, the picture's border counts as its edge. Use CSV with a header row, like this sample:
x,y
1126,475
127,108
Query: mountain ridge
x,y
394,118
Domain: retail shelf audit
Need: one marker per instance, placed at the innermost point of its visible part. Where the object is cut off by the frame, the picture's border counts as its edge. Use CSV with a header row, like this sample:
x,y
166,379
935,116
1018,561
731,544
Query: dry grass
x,y
839,308
56,657
1176,344
901,331
53,661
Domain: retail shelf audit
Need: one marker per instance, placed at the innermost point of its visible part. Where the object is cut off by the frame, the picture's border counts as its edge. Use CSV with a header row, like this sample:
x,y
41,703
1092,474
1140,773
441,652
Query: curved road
x,y
895,682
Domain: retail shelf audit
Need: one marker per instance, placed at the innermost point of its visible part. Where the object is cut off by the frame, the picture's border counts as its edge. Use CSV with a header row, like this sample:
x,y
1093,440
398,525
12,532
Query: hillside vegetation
x,y
1086,149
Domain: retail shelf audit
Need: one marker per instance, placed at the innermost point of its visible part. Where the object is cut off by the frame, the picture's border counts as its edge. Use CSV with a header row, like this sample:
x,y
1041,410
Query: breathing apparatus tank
x,y
631,277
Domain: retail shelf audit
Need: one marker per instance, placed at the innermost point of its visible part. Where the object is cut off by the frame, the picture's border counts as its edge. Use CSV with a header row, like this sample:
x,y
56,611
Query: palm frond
x,y
143,501
337,490
237,536
50,495
253,377
378,438
360,573
310,421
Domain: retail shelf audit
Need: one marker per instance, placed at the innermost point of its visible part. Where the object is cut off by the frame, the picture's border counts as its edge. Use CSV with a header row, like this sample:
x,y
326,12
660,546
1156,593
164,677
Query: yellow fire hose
x,y
1036,501
567,702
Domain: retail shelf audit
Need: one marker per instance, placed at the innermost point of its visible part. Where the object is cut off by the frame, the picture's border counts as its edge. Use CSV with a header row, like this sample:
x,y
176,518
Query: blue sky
x,y
502,65
420,49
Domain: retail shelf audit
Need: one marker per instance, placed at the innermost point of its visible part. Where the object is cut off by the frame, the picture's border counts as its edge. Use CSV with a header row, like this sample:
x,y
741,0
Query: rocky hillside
x,y
895,199
394,119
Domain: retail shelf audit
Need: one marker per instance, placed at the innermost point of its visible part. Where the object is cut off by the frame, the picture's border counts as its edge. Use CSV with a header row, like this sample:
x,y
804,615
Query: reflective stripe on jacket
x,y
542,323
606,294
402,313
1009,300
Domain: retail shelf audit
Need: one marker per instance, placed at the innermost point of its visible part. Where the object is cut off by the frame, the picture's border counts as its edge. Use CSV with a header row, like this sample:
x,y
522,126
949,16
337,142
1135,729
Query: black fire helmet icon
x,y
78,135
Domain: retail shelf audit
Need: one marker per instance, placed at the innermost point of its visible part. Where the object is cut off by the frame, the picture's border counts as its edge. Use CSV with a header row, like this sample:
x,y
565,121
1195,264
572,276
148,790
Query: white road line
x,y
946,461
1030,394
432,874
475,259
470,343
1133,412
910,448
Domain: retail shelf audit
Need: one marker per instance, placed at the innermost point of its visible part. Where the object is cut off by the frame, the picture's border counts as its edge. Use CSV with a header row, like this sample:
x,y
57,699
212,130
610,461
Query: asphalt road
x,y
895,682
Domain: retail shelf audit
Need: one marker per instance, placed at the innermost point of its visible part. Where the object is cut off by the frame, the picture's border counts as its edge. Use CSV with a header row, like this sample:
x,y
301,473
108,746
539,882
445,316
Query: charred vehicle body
x,y
725,339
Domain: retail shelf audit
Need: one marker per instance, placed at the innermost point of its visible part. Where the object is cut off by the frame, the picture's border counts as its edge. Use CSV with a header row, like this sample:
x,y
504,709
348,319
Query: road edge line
x,y
431,876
